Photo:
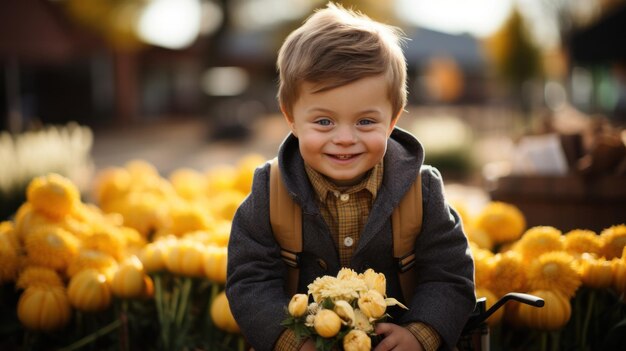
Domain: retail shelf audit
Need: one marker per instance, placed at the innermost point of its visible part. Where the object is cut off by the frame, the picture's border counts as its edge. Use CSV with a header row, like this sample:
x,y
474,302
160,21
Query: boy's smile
x,y
342,132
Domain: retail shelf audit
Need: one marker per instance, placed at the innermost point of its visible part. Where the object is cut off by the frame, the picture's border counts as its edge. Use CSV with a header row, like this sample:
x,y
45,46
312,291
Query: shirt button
x,y
348,241
344,197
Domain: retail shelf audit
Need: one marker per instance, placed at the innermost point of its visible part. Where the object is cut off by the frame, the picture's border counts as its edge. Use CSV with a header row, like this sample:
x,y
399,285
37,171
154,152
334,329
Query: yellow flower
x,y
347,274
245,171
502,221
29,220
539,240
327,323
595,273
141,171
376,281
133,239
345,311
44,308
356,340
579,241
508,274
186,219
7,232
613,241
220,178
373,304
225,204
479,236
347,288
111,184
51,247
141,211
153,256
185,257
90,259
215,261
483,265
361,322
109,241
220,233
554,271
40,276
9,259
189,183
53,195
298,305
128,281
619,275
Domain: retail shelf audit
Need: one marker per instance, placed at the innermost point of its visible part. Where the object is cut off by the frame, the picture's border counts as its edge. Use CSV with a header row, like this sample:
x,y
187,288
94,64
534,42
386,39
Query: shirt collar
x,y
323,186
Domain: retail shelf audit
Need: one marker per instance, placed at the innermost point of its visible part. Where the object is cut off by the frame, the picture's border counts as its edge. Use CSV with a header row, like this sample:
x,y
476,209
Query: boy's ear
x,y
393,123
288,119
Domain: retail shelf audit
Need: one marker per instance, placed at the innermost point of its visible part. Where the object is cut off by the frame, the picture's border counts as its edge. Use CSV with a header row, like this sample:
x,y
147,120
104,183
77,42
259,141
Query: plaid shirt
x,y
345,210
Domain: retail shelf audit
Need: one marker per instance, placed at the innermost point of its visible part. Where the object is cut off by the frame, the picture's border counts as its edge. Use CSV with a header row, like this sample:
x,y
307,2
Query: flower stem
x,y
555,341
578,317
592,295
124,342
184,302
93,336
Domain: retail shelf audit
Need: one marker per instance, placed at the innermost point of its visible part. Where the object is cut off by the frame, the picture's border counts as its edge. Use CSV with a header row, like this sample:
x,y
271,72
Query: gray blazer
x,y
444,295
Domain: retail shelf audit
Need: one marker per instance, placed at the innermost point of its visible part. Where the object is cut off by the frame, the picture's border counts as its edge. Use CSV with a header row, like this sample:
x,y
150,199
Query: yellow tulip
x,y
356,340
53,195
298,305
373,304
215,260
89,291
376,281
128,282
595,273
345,311
327,323
221,314
184,257
153,256
361,322
44,308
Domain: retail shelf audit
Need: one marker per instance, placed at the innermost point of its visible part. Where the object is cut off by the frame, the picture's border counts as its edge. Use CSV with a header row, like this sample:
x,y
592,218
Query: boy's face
x,y
343,132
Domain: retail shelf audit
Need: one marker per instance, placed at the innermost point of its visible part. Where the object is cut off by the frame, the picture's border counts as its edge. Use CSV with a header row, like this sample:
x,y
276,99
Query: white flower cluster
x,y
61,149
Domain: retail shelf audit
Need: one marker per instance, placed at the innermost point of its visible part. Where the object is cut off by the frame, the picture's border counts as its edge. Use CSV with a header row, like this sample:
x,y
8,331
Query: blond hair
x,y
335,47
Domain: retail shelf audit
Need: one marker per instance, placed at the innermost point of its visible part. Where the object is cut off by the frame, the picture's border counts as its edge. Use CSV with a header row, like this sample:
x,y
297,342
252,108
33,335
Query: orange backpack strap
x,y
406,224
286,221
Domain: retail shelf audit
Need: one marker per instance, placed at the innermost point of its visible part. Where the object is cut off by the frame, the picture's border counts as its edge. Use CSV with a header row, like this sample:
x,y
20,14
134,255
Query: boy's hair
x,y
335,47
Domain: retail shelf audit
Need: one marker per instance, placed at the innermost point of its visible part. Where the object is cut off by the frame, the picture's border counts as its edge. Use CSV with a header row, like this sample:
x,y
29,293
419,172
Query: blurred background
x,y
522,101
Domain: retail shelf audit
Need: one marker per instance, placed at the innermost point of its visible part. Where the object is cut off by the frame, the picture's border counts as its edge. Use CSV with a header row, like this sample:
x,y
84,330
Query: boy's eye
x,y
366,122
323,122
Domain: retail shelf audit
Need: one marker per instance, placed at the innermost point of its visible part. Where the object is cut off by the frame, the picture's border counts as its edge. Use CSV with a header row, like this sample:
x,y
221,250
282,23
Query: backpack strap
x,y
286,222
406,224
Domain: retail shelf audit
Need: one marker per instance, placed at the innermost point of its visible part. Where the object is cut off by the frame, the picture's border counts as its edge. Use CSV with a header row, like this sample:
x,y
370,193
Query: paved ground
x,y
180,143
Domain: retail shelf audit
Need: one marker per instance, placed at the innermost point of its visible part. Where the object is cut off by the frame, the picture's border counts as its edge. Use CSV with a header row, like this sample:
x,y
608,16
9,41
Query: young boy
x,y
342,90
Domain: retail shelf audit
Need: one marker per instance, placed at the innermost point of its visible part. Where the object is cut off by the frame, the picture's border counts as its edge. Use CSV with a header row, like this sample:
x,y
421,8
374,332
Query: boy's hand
x,y
396,338
308,345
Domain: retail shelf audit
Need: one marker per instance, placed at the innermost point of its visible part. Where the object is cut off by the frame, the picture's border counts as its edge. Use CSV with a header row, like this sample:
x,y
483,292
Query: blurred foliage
x,y
515,56
114,20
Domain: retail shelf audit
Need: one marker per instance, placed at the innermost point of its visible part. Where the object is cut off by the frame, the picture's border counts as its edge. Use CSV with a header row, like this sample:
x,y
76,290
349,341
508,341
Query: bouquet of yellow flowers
x,y
344,310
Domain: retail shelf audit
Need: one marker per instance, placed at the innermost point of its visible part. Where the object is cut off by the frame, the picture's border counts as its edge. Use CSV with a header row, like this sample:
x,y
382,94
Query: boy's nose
x,y
344,135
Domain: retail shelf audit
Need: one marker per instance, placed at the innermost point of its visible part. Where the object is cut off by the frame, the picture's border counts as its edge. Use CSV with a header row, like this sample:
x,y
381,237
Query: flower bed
x,y
144,268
